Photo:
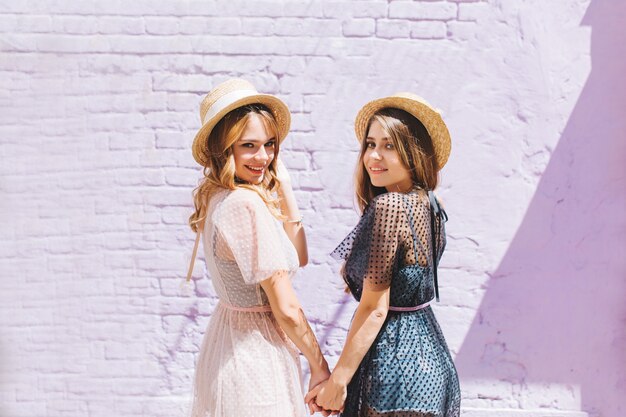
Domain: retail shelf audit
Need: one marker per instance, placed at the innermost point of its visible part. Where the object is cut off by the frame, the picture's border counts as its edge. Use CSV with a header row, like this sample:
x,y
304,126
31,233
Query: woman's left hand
x,y
329,395
282,173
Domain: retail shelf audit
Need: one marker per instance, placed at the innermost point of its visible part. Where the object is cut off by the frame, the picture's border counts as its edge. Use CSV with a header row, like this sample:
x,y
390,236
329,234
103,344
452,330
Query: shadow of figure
x,y
554,311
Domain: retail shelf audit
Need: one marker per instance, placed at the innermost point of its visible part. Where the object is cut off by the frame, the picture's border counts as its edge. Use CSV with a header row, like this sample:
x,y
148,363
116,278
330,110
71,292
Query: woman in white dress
x,y
253,239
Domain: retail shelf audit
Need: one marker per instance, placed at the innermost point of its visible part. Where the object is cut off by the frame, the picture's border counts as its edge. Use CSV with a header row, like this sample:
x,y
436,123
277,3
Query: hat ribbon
x,y
225,101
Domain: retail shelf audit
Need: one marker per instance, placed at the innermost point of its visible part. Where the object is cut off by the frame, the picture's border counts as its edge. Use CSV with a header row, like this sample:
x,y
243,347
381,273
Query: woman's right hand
x,y
329,396
317,377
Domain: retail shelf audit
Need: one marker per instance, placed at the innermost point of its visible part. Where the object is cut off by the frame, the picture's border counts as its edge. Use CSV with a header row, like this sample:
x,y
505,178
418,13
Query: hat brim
x,y
279,110
419,109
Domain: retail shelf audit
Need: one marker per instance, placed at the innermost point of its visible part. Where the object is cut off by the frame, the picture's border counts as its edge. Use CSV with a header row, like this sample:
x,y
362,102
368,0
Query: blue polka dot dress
x,y
408,371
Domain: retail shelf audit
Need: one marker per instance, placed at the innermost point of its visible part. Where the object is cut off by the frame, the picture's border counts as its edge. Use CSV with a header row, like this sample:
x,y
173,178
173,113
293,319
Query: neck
x,y
405,187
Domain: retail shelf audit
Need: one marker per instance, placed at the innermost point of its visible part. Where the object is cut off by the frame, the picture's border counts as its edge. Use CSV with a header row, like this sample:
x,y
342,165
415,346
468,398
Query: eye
x,y
389,146
370,145
248,145
270,144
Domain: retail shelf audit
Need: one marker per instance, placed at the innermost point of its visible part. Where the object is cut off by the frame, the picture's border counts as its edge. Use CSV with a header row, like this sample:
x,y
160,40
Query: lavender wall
x,y
98,107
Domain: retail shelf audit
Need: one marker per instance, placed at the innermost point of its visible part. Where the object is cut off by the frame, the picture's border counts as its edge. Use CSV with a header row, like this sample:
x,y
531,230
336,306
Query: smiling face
x,y
382,161
254,151
396,155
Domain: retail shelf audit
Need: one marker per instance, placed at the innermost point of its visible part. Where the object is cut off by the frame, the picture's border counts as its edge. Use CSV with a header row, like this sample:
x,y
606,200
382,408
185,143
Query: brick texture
x,y
98,108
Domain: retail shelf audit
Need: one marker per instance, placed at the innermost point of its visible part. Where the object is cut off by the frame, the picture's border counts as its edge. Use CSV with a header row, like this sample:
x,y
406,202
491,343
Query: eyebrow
x,y
256,140
384,138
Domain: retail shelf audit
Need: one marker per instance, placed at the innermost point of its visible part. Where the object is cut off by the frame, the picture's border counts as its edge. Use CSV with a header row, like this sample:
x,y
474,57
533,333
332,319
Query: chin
x,y
377,184
254,180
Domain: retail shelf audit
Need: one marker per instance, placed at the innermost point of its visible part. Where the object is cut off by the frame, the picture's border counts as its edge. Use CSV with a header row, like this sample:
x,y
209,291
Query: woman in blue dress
x,y
395,361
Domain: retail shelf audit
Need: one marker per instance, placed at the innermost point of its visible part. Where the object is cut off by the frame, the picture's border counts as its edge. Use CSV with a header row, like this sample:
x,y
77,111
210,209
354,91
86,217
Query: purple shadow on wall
x,y
554,311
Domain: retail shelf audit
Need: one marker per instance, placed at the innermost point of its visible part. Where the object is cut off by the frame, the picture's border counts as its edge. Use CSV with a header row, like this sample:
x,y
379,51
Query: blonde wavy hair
x,y
414,146
219,171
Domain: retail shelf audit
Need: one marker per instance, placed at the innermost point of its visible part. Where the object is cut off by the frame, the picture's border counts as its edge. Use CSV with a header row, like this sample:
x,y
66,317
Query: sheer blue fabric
x,y
408,371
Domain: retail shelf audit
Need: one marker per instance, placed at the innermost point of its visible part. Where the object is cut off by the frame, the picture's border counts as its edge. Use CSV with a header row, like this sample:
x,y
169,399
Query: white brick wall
x,y
98,107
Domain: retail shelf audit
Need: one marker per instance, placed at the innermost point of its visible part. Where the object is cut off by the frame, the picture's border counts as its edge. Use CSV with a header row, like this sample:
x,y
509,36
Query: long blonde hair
x,y
219,171
414,145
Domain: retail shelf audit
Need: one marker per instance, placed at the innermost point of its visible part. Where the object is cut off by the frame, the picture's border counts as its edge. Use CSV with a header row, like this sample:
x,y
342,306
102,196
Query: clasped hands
x,y
327,397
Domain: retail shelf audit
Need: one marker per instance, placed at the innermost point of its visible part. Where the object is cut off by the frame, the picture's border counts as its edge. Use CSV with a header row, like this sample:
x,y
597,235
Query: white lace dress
x,y
247,367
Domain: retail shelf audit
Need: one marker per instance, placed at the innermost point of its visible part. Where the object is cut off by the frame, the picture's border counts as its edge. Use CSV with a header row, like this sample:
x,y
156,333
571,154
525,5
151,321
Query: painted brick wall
x,y
98,107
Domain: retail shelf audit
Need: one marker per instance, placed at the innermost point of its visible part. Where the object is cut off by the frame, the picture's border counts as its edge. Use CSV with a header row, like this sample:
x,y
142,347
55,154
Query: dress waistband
x,y
415,308
253,309
267,308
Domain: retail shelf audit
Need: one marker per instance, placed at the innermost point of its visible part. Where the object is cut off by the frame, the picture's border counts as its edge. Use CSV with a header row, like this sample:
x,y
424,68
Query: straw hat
x,y
418,108
229,96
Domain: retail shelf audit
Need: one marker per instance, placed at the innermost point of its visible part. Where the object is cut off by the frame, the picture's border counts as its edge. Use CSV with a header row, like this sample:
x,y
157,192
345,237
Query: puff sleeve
x,y
253,236
371,249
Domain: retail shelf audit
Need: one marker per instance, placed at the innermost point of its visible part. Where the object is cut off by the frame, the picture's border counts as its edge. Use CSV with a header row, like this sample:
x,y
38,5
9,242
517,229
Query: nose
x,y
375,155
261,155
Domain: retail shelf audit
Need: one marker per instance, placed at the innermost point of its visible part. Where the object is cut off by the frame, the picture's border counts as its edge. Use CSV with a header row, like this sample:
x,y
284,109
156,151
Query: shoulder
x,y
393,204
388,199
240,202
387,204
243,196
385,208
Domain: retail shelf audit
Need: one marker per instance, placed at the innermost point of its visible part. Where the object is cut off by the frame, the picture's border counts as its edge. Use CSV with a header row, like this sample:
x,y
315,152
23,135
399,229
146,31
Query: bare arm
x,y
289,208
368,319
294,230
291,318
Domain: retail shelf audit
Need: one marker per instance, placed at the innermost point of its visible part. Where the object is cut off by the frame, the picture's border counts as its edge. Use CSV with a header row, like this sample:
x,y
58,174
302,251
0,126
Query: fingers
x,y
309,396
325,412
313,407
316,408
312,394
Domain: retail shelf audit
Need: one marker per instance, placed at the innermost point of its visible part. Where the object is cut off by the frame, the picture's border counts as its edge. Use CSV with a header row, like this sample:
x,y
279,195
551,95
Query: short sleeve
x,y
252,234
371,249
